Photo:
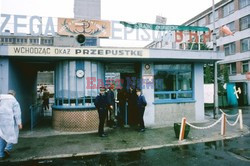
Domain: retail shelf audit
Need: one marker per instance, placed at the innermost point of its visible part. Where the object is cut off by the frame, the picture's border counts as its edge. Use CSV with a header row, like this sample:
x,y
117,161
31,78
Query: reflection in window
x,y
173,81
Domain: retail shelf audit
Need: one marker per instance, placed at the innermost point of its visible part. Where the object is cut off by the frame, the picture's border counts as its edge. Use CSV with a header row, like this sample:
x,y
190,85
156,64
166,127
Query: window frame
x,y
247,22
232,48
230,7
245,63
245,5
173,95
248,43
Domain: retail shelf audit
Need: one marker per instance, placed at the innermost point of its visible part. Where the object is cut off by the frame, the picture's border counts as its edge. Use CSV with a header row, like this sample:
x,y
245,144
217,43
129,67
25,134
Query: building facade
x,y
235,14
169,79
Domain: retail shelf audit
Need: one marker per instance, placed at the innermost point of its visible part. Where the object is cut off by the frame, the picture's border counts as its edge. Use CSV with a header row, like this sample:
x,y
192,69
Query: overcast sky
x,y
176,11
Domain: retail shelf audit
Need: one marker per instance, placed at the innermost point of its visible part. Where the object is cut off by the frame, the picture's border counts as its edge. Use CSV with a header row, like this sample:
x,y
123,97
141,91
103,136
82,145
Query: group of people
x,y
10,123
105,104
44,94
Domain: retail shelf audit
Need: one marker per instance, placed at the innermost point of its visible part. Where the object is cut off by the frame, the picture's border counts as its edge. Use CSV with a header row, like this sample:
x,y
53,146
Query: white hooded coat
x,y
10,118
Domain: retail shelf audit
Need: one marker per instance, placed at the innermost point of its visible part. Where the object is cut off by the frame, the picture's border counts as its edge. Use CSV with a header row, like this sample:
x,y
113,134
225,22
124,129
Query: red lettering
x,y
206,36
90,83
178,36
100,83
191,35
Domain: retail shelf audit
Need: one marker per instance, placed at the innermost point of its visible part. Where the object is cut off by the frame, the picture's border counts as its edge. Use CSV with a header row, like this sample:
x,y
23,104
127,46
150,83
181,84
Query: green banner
x,y
158,27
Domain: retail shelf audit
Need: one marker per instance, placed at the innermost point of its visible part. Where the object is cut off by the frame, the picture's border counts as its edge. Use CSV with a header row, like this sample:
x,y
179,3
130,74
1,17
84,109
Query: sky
x,y
176,11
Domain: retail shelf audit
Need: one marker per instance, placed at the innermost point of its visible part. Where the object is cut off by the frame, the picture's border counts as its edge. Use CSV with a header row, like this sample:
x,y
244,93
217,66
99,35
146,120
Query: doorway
x,y
124,76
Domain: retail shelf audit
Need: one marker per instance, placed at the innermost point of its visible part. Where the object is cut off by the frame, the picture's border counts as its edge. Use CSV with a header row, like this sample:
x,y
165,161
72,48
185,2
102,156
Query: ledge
x,y
174,101
71,108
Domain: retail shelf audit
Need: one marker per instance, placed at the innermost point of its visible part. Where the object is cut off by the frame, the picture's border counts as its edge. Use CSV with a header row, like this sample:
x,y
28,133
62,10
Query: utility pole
x,y
215,66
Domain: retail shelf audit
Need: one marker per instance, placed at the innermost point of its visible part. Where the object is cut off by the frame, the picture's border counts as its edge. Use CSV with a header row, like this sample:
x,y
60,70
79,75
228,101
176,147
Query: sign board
x,y
89,28
119,30
39,51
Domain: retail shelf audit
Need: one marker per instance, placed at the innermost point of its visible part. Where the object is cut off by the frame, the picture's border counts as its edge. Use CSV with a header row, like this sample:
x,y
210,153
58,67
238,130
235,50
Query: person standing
x,y
121,97
132,109
46,98
10,122
111,108
101,104
141,104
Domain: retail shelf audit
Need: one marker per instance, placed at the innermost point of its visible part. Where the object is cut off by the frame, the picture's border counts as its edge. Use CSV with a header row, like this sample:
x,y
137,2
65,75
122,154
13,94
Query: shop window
x,y
244,3
245,45
216,16
245,66
228,9
173,82
229,49
245,22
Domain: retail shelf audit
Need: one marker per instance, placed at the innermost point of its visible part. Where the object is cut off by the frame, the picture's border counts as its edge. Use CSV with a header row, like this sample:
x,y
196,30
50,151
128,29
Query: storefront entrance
x,y
125,76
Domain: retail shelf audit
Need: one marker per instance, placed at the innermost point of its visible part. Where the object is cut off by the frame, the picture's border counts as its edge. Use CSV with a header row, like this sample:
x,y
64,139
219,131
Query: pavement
x,y
47,143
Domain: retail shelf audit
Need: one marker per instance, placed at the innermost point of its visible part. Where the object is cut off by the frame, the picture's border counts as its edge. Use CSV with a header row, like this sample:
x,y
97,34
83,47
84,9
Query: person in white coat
x,y
10,121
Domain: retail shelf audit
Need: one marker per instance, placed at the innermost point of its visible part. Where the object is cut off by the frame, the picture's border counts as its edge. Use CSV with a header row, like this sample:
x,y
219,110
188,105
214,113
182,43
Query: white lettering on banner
x,y
23,25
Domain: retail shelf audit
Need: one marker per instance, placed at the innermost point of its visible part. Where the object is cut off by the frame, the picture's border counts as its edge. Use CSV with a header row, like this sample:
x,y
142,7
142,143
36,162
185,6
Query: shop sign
x,y
75,52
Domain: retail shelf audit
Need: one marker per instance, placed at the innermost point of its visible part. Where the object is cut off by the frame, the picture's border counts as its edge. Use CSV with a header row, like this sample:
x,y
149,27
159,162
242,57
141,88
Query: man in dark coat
x,y
111,102
141,104
132,109
121,97
101,104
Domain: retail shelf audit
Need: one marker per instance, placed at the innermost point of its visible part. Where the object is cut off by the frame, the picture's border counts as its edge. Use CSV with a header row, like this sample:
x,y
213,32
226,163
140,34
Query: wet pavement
x,y
125,146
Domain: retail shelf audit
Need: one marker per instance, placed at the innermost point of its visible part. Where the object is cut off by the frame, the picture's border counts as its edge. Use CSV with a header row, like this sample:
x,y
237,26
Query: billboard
x,y
89,28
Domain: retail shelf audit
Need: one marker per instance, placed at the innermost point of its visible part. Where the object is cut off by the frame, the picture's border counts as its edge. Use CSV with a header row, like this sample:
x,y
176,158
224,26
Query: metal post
x,y
216,104
215,66
214,34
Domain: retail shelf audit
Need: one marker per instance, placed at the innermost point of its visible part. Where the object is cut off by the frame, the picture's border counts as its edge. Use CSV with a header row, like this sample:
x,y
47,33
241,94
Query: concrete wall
x,y
167,114
148,92
199,91
22,79
4,75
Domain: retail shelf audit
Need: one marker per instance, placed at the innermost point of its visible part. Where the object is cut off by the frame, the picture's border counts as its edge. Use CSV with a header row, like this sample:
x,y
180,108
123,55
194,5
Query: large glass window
x,y
244,3
75,90
229,49
245,66
245,45
173,82
228,9
245,22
